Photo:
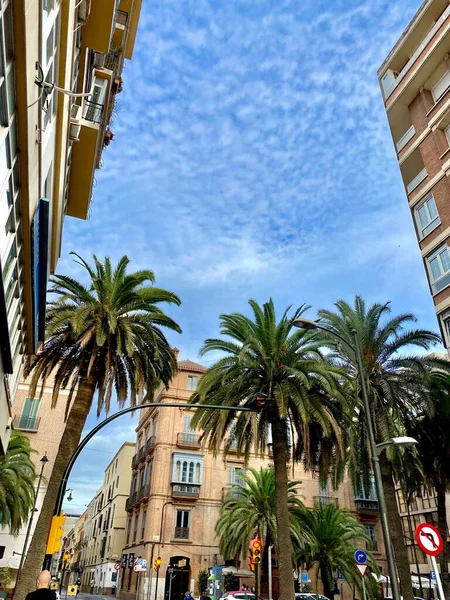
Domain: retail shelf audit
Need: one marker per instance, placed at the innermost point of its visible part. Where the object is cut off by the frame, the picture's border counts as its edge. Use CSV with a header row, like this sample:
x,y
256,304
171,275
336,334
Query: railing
x,y
192,440
113,62
131,501
135,460
185,490
372,546
26,423
94,112
363,504
232,446
181,533
408,135
416,54
324,500
143,492
416,181
150,444
121,17
230,492
142,453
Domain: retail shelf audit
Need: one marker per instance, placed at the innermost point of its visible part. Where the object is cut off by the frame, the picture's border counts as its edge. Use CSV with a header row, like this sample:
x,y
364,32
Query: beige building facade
x,y
415,83
60,72
177,490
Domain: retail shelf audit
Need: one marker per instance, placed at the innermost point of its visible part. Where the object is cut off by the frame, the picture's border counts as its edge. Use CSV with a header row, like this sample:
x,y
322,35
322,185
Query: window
x,y
182,524
148,473
2,551
439,268
144,519
369,494
441,87
187,468
427,217
136,521
235,476
189,435
28,419
192,382
117,482
371,534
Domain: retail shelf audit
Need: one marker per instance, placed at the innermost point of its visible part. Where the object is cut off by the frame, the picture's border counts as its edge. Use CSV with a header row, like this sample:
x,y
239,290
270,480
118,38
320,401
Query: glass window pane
x,y
11,92
423,216
432,208
8,28
435,268
445,259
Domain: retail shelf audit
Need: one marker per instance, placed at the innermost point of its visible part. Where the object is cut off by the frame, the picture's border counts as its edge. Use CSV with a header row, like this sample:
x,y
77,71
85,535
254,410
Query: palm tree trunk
x,y
69,442
395,529
284,542
443,528
328,586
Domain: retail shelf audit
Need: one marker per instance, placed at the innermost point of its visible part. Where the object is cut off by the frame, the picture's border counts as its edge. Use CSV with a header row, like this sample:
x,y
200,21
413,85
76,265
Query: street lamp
x,y
396,441
307,324
44,461
69,497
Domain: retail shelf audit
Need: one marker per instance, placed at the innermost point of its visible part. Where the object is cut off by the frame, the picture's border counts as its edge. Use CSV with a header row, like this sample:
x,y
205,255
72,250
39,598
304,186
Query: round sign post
x,y
117,566
430,541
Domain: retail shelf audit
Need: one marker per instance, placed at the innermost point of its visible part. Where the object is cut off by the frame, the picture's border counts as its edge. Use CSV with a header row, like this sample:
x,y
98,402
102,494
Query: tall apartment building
x,y
415,83
99,535
51,143
177,490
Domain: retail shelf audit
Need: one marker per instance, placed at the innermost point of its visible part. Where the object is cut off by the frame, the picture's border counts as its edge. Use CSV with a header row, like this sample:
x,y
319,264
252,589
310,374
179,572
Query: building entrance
x,y
177,578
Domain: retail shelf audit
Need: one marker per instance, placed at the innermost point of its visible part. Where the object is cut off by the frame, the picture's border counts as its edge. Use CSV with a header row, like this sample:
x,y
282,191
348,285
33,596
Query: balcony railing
x,y
408,135
324,500
372,546
94,112
143,492
114,62
181,533
26,423
365,505
121,17
135,460
131,501
416,181
230,491
184,490
188,440
141,453
150,444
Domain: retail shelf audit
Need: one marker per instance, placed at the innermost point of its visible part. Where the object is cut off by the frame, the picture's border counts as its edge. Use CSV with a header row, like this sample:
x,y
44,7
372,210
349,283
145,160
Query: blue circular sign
x,y
360,557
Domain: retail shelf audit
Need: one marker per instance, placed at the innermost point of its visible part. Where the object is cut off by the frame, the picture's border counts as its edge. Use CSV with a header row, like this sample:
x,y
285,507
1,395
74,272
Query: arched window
x,y
184,473
177,470
191,472
197,473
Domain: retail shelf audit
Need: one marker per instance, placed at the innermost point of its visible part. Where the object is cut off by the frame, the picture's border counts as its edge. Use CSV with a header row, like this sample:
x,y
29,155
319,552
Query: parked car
x,y
309,596
239,595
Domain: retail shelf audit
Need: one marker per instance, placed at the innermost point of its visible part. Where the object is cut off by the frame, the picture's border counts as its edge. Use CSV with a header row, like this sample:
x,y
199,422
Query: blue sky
x,y
252,158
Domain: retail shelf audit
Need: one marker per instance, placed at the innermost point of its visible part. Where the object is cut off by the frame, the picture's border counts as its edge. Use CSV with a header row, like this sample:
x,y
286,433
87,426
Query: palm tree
x,y
249,508
395,385
328,535
268,363
102,336
17,475
432,471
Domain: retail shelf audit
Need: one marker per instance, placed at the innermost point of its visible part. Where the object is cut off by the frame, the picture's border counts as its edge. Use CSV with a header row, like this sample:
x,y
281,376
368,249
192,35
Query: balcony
x,y
120,28
141,454
181,533
143,493
416,181
324,500
94,112
135,460
24,423
185,490
406,137
97,30
366,505
131,501
150,444
372,546
188,440
229,491
114,62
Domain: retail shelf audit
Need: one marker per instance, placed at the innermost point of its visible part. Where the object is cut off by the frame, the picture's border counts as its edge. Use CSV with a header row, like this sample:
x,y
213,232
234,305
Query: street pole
x,y
44,461
156,586
150,578
269,570
256,581
377,473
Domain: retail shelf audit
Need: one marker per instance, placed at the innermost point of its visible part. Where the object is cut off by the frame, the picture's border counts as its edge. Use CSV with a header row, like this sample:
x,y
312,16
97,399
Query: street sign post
x,y
361,568
117,566
430,541
360,557
72,590
432,575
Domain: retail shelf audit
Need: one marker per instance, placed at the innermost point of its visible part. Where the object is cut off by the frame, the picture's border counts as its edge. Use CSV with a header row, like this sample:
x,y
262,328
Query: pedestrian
x,y
188,596
3,592
42,591
204,595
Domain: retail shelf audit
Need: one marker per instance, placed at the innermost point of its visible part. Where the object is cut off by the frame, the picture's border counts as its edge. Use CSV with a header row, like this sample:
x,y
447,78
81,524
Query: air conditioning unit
x,y
84,10
99,60
75,122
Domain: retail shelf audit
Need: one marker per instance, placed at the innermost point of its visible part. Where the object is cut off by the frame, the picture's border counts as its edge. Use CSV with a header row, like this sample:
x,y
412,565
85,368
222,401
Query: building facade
x,y
99,535
177,490
415,83
60,72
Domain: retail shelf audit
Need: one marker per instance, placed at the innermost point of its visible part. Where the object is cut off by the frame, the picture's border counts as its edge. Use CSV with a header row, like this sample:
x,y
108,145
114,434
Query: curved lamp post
x,y
374,448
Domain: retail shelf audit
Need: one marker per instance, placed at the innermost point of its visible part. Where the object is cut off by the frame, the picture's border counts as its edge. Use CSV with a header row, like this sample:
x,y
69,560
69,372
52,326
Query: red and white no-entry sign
x,y
429,539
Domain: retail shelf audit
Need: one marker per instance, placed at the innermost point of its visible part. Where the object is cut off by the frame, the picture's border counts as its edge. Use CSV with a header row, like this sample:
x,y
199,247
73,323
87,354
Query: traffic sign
x,y
432,576
72,590
429,539
117,566
361,569
360,557
340,577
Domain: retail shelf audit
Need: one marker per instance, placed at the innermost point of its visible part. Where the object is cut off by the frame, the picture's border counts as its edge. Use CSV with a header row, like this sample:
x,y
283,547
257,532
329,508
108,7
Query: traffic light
x,y
157,564
54,541
256,550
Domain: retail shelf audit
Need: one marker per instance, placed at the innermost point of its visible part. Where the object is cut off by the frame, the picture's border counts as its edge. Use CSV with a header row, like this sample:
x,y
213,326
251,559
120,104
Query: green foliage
x,y
109,331
17,476
7,576
202,581
231,582
327,536
250,507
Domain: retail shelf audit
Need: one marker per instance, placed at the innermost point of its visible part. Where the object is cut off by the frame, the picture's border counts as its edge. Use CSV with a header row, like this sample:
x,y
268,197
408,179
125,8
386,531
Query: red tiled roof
x,y
189,365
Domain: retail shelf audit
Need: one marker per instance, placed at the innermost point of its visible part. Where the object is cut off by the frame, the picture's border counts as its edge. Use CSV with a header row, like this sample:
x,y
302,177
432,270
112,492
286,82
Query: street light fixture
x,y
309,325
396,441
69,497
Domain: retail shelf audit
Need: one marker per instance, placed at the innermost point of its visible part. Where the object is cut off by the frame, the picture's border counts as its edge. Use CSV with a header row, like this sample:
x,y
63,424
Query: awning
x,y
238,572
10,563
